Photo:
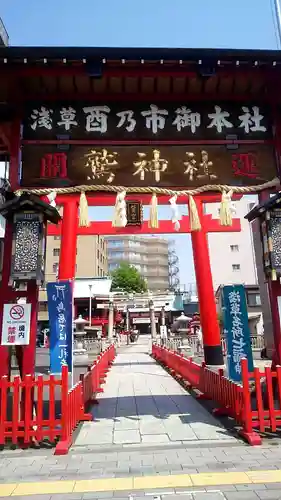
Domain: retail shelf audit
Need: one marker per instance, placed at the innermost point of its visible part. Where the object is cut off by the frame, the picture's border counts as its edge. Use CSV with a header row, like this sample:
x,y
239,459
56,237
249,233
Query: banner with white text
x,y
60,307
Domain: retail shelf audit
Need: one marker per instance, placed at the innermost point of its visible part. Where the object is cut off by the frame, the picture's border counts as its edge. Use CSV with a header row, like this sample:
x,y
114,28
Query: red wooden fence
x,y
96,375
23,416
262,413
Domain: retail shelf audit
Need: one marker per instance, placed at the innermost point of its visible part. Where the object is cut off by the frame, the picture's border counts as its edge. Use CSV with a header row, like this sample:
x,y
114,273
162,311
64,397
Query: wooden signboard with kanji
x,y
146,121
166,166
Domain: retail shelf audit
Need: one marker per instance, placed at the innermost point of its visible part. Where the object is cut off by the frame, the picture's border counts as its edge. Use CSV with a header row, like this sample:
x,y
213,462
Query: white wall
x,y
223,257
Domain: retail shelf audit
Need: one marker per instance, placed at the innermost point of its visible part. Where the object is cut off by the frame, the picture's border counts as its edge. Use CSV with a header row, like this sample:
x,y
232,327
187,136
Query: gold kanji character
x,y
190,165
206,167
101,164
155,165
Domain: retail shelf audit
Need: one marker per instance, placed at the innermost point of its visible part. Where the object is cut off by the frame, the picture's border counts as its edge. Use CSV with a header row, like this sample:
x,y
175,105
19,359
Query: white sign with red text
x,y
16,324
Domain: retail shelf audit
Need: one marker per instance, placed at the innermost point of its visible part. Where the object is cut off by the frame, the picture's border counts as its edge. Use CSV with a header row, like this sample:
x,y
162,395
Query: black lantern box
x,y
29,216
269,215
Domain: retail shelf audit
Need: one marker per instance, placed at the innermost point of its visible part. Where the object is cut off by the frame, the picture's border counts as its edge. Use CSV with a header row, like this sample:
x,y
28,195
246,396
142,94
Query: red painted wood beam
x,y
99,199
177,71
5,135
103,228
110,142
157,97
141,70
160,97
25,70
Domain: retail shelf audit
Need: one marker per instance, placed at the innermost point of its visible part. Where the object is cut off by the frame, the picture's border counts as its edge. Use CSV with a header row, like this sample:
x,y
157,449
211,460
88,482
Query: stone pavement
x,y
199,467
143,404
198,473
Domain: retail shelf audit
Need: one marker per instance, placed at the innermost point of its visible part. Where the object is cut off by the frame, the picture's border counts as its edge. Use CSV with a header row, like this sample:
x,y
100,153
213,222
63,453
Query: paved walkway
x,y
143,405
150,439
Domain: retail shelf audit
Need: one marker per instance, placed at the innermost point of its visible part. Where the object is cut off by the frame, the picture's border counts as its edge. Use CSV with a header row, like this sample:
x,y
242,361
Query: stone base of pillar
x,y
213,355
80,358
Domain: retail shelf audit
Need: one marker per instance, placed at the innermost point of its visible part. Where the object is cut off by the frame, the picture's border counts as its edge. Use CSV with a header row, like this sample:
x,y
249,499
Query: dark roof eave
x,y
29,202
138,53
258,210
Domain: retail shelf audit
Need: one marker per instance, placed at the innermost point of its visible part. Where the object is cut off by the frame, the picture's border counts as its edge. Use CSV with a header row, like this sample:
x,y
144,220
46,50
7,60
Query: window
x,y
235,267
234,248
55,267
56,252
112,266
115,243
57,237
253,299
116,255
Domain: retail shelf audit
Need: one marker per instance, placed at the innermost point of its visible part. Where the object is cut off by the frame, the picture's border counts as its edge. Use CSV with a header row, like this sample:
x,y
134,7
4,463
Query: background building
x,y
91,262
173,261
263,289
235,259
232,255
91,257
150,256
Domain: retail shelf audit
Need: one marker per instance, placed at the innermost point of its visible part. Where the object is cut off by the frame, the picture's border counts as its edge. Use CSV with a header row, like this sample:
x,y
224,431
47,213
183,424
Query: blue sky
x,y
149,23
162,23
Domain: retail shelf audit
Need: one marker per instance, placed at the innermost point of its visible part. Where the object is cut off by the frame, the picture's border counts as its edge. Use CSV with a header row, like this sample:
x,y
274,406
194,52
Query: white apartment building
x,y
150,256
233,261
232,255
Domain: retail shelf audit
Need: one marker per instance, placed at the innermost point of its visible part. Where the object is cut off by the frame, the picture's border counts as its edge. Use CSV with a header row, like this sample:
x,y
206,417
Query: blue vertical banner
x,y
60,307
236,327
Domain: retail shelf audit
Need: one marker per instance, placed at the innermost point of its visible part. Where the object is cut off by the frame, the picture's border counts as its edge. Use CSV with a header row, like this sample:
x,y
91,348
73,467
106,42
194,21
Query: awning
x,y
97,286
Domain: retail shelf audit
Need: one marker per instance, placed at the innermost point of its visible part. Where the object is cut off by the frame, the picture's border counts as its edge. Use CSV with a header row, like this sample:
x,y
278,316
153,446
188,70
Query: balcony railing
x,y
139,260
152,249
157,274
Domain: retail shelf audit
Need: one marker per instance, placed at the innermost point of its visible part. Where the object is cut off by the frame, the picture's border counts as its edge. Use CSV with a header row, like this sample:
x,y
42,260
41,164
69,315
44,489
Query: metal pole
x,y
277,9
90,306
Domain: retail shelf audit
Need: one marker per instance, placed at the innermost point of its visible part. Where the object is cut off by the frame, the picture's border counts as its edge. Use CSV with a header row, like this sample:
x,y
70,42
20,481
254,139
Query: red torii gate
x,y
69,230
112,75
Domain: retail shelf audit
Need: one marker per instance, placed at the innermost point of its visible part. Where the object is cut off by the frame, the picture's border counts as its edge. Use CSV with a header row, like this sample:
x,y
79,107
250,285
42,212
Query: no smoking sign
x,y
17,312
16,324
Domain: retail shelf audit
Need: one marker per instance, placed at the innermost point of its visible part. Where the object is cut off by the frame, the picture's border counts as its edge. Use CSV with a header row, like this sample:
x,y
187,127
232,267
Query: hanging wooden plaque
x,y
134,211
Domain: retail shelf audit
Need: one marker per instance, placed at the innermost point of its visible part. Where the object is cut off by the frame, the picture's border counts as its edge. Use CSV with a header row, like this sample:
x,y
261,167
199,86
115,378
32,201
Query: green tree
x,y
128,279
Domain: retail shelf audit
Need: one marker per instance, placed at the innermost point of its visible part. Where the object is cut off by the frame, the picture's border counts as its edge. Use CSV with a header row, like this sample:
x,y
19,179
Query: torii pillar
x,y
69,231
205,290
